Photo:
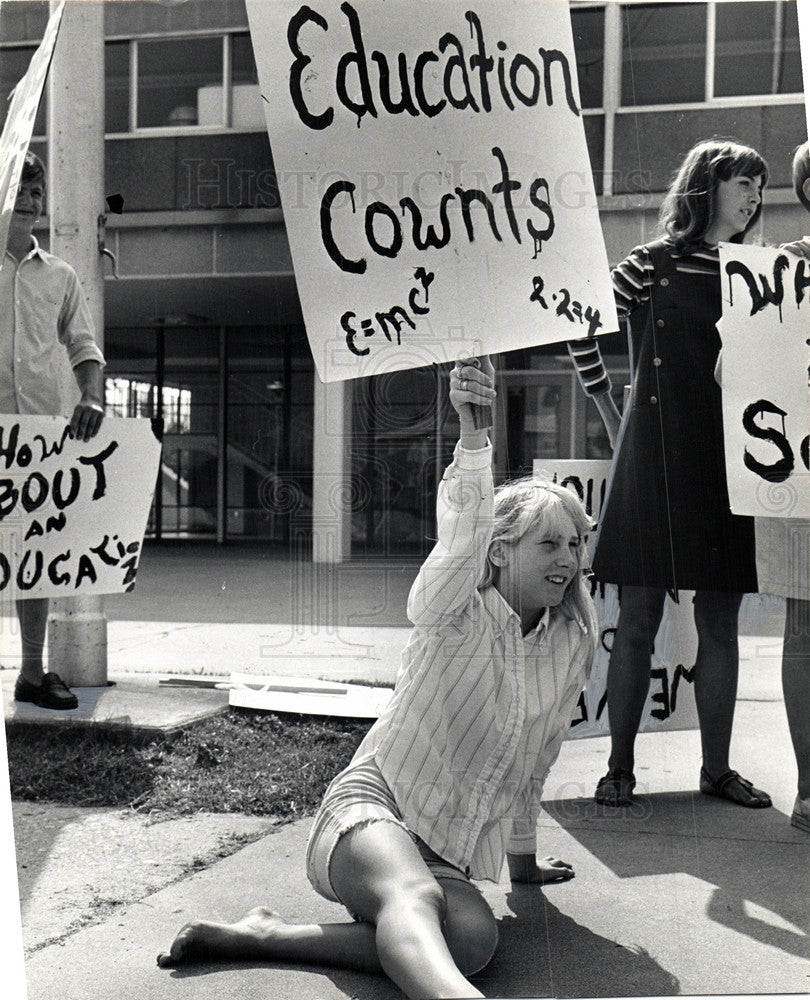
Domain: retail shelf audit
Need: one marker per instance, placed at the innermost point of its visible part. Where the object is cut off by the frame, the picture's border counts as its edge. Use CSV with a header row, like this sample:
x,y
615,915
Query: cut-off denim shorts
x,y
357,796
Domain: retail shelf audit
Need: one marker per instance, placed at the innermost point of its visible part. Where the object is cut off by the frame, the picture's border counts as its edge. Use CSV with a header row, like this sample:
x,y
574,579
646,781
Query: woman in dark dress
x,y
666,524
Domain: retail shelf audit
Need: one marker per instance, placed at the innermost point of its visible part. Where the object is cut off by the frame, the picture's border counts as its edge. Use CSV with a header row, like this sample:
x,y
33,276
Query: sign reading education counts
x,y
434,177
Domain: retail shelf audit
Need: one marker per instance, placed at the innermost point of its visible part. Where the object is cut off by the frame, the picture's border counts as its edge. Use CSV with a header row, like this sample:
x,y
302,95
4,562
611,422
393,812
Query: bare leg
x,y
264,936
796,685
424,931
379,875
629,669
33,616
716,670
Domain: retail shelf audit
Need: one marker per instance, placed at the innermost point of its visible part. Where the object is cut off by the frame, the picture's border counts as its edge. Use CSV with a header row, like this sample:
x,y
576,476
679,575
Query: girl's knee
x,y
415,896
640,613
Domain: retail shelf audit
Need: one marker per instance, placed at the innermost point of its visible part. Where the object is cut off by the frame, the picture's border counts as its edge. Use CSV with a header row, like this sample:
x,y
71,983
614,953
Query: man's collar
x,y
36,250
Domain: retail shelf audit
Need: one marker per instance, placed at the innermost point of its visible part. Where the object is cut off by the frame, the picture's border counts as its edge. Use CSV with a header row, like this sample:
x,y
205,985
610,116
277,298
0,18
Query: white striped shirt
x,y
479,712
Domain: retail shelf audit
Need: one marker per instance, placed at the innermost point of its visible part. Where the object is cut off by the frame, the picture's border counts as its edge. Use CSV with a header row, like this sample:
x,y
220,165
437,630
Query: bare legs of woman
x,y
628,683
426,935
716,670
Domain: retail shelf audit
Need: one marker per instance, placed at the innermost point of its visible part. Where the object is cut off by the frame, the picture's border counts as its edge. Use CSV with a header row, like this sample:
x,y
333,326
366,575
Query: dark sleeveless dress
x,y
666,521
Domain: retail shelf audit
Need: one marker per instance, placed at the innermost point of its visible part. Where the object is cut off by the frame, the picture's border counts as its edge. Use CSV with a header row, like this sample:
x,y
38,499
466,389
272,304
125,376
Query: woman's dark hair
x,y
688,209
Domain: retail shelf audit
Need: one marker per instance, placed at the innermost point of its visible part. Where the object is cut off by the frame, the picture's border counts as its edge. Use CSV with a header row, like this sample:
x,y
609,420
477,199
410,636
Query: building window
x,y
204,81
588,26
176,78
756,49
663,53
684,53
116,91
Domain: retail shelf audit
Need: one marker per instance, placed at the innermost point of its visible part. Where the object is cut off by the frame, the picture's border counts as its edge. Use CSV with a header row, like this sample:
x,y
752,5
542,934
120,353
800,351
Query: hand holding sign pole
x,y
472,391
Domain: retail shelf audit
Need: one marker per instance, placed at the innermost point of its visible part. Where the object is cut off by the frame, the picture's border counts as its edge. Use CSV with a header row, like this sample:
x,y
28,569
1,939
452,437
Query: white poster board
x,y
73,513
766,401
434,177
19,125
671,702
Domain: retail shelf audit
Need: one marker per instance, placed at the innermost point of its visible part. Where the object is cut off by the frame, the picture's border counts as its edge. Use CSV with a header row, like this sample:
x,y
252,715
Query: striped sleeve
x,y
590,369
632,280
450,574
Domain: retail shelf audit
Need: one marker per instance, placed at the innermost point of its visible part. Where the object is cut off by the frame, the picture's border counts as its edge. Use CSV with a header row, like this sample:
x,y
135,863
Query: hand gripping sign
x,y
434,177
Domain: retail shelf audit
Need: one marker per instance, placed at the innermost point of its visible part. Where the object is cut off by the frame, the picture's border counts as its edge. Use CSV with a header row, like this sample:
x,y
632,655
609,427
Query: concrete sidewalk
x,y
682,894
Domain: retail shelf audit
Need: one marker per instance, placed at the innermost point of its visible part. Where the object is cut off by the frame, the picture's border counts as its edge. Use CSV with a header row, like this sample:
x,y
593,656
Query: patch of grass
x,y
256,763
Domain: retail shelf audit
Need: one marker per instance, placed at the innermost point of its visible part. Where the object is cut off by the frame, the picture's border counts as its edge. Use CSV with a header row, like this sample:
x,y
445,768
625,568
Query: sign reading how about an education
x,y
73,513
434,177
766,401
19,125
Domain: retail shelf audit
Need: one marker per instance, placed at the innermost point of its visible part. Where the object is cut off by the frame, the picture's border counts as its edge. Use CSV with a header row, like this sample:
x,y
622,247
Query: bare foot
x,y
202,941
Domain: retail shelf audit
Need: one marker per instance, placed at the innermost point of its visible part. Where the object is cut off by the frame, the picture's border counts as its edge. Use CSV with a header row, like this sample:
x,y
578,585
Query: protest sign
x,y
435,181
19,126
671,702
73,513
766,402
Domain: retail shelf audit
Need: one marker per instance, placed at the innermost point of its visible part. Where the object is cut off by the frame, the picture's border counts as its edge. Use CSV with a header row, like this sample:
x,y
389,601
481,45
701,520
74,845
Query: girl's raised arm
x,y
450,574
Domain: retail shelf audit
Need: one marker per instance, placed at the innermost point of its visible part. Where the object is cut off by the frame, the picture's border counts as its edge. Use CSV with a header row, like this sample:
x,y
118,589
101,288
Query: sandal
x,y
801,814
734,788
616,788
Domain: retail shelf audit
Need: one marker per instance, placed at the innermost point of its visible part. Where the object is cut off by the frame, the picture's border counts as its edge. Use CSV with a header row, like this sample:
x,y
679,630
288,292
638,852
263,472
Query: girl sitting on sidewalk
x,y
448,781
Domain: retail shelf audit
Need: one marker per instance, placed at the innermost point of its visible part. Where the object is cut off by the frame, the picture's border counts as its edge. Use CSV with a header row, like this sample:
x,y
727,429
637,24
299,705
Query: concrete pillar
x,y
77,630
611,88
331,473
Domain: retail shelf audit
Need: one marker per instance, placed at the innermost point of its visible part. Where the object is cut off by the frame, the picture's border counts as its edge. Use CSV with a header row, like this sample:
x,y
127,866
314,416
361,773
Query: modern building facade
x,y
203,328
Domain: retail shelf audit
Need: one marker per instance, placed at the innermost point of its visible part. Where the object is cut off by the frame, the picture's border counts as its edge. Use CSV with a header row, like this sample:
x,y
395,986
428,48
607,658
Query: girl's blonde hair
x,y
687,212
529,502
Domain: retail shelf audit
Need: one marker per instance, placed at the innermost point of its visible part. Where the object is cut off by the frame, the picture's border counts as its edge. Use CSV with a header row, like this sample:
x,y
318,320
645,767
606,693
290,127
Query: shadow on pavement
x,y
357,985
754,858
543,952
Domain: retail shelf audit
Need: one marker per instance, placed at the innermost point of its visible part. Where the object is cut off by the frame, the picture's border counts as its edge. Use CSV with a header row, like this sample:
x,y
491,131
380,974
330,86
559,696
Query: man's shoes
x,y
52,693
801,814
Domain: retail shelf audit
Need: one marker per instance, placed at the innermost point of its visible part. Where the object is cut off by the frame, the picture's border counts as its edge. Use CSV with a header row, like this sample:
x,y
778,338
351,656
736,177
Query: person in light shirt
x,y
43,319
447,783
